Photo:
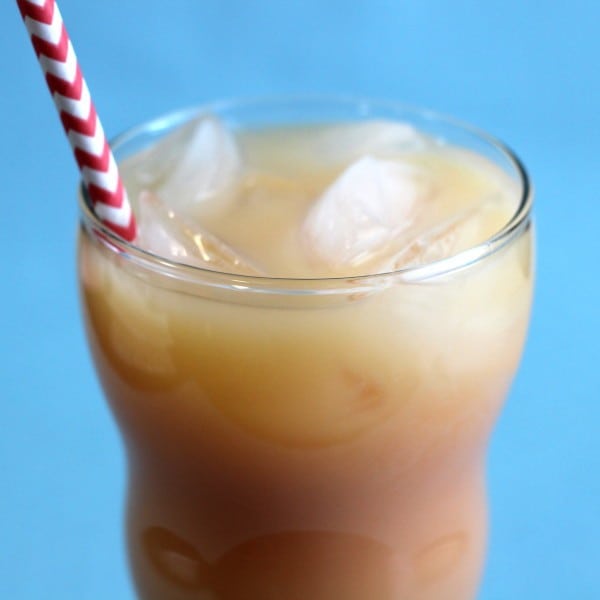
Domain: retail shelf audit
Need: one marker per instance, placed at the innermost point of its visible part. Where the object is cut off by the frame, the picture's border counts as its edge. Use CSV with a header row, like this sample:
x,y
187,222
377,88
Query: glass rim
x,y
410,274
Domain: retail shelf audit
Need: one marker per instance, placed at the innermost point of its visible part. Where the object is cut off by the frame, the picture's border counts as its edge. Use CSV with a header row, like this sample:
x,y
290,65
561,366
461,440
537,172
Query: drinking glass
x,y
308,439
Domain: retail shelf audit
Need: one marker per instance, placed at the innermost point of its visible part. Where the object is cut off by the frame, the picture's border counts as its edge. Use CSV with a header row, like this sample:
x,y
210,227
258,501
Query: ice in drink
x,y
294,428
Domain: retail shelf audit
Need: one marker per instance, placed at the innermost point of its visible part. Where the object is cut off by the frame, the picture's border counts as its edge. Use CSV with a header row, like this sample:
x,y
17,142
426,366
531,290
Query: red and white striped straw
x,y
78,115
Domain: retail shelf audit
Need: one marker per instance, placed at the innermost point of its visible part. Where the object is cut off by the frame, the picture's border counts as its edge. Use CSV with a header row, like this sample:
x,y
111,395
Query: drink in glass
x,y
307,347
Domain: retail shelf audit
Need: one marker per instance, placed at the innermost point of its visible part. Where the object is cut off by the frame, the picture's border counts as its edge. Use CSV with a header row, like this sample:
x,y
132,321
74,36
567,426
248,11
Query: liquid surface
x,y
329,201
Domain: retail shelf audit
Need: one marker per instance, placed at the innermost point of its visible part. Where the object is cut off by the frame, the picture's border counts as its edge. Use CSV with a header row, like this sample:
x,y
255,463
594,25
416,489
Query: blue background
x,y
525,71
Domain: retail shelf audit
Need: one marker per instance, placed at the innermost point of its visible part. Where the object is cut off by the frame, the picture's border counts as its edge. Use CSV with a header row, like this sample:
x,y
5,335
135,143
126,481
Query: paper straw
x,y
76,110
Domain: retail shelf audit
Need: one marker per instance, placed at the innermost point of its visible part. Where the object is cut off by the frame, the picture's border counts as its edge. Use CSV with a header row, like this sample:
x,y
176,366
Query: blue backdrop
x,y
527,72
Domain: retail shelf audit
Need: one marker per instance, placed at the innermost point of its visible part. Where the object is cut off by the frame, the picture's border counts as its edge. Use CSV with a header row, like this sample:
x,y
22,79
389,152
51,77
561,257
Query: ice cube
x,y
168,234
437,243
194,163
460,232
350,141
363,211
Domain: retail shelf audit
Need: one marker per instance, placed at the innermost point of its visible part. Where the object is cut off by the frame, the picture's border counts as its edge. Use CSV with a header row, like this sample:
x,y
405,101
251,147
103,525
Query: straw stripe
x,y
78,115
78,107
64,68
107,179
54,49
89,138
48,31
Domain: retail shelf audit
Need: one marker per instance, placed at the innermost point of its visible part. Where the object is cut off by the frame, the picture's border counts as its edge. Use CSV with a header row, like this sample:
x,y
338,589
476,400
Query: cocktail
x,y
307,345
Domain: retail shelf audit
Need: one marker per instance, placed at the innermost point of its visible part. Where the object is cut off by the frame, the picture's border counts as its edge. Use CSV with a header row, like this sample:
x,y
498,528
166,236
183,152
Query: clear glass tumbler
x,y
308,439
